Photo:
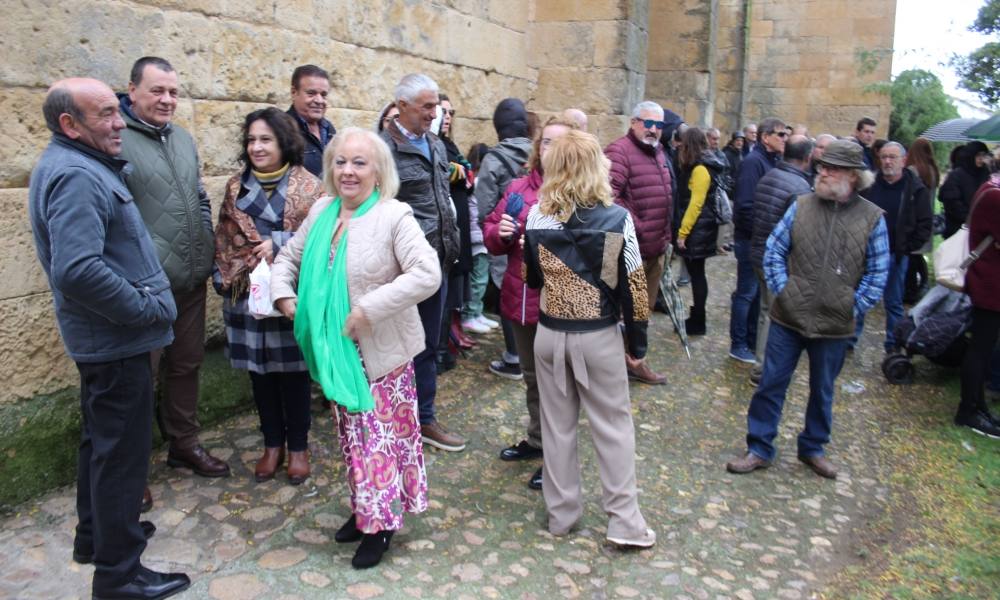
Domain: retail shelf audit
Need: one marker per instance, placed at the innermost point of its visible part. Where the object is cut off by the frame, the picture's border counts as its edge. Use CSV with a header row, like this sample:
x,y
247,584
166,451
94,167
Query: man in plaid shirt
x,y
826,264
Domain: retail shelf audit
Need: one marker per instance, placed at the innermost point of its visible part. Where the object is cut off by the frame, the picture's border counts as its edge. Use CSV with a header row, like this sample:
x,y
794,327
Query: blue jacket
x,y
112,298
753,167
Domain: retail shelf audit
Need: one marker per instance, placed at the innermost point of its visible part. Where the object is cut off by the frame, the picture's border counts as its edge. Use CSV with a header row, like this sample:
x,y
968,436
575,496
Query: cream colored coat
x,y
390,268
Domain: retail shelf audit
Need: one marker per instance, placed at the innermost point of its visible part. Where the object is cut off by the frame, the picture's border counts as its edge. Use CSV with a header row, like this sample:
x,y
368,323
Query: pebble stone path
x,y
779,533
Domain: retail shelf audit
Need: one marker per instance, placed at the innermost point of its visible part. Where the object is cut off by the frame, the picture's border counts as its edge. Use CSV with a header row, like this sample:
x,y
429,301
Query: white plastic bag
x,y
952,258
260,292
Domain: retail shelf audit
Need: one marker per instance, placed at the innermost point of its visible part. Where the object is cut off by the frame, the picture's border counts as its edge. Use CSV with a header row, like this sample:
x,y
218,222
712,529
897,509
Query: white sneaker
x,y
483,320
474,326
645,541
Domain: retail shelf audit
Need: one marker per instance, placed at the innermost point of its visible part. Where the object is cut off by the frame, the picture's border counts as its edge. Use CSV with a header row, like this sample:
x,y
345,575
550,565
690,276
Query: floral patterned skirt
x,y
384,454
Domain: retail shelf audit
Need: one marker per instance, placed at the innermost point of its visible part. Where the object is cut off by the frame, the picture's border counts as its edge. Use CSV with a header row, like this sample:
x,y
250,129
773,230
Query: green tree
x,y
918,101
979,72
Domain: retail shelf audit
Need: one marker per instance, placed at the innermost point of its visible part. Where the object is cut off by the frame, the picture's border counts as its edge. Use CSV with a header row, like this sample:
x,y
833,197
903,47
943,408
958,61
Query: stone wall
x,y
807,62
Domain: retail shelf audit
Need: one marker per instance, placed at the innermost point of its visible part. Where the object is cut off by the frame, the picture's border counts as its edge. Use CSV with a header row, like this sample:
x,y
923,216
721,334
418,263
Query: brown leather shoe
x,y
820,465
147,501
298,467
747,463
640,371
198,460
269,463
436,435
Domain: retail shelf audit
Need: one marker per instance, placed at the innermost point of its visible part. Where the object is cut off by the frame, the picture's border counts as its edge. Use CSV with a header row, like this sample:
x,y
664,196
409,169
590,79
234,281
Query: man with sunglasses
x,y
765,155
642,184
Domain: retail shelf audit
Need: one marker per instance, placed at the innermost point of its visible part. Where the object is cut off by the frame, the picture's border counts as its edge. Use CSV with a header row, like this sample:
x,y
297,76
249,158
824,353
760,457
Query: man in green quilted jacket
x,y
166,183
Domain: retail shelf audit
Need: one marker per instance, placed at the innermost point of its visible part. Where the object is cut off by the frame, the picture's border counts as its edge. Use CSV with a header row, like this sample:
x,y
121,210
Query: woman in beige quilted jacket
x,y
351,279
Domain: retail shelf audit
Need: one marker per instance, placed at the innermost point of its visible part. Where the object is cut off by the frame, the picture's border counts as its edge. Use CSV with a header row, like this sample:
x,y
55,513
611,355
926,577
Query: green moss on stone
x,y
39,436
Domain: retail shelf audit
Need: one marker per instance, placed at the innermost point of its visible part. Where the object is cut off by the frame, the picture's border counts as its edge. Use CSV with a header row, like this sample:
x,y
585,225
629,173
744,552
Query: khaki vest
x,y
825,264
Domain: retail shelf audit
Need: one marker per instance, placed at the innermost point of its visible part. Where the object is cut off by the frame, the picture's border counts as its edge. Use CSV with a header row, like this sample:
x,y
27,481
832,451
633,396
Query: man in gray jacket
x,y
113,306
166,184
775,192
422,162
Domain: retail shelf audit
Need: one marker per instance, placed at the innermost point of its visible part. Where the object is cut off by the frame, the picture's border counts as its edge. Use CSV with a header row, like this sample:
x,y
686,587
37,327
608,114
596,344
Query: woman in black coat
x,y
697,233
972,171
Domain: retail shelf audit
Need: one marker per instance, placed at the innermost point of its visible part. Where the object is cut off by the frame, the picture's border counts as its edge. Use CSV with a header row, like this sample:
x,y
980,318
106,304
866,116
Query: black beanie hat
x,y
510,119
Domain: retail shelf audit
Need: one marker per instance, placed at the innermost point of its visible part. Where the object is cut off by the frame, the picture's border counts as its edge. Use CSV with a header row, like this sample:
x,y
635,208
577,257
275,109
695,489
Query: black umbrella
x,y
952,130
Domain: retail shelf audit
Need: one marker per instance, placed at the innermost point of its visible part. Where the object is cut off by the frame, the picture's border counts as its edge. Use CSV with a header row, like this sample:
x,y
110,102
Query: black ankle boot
x,y
372,547
348,532
695,324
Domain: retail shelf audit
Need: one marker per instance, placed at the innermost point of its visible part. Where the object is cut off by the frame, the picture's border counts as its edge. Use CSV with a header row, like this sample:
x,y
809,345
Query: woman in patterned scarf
x,y
351,279
263,206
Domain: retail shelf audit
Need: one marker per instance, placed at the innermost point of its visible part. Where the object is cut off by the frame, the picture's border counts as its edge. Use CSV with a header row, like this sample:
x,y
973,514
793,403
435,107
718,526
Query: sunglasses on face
x,y
650,123
781,134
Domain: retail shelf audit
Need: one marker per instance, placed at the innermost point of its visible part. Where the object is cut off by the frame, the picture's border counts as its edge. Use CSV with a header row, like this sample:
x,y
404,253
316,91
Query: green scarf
x,y
322,310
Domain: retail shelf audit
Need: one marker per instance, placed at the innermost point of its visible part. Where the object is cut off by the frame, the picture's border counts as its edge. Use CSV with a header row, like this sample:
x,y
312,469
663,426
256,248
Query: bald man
x,y
113,305
577,116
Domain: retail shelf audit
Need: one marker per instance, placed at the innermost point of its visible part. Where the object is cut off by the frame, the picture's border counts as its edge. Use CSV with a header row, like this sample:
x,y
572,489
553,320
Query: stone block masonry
x,y
603,56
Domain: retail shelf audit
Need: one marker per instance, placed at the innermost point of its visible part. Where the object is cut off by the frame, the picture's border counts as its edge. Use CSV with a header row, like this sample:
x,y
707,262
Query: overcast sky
x,y
928,32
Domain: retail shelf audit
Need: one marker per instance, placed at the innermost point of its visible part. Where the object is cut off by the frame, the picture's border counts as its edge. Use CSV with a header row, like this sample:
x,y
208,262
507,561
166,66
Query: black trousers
x,y
116,401
283,407
976,364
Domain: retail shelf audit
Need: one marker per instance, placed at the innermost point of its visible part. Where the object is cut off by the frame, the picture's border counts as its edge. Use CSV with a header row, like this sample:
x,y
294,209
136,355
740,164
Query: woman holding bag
x,y
351,279
262,208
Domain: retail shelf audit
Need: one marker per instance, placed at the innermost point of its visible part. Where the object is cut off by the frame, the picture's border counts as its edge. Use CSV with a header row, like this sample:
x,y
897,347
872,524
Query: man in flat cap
x,y
826,263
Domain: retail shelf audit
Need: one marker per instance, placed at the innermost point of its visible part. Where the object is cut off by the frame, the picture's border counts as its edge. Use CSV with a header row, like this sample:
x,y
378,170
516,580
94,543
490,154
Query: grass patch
x,y
942,534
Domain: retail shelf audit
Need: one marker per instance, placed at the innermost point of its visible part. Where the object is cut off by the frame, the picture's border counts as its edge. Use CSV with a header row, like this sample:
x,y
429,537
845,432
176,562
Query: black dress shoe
x,y
147,585
520,451
348,532
535,482
85,557
372,547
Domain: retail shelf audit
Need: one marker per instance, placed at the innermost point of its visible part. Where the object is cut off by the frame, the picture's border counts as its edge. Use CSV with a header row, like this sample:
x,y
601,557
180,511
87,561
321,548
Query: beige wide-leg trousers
x,y
588,369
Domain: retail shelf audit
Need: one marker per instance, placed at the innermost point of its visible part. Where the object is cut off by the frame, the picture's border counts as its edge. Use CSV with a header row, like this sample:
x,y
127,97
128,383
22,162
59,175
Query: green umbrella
x,y
987,130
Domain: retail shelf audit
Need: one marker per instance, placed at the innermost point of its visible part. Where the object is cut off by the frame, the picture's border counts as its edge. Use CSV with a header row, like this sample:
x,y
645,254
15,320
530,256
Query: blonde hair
x,y
386,177
576,176
535,158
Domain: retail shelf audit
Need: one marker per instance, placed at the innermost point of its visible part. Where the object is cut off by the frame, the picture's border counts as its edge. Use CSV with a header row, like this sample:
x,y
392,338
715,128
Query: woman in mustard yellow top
x,y
696,236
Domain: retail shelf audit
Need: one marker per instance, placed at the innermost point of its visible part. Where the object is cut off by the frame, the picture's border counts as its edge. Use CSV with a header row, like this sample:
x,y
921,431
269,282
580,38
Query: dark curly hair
x,y
286,132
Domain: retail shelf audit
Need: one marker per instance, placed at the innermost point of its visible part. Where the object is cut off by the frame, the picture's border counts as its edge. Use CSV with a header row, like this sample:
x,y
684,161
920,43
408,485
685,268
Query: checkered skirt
x,y
260,345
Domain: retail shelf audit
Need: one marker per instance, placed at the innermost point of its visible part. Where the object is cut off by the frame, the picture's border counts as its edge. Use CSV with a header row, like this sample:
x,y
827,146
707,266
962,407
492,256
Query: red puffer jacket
x,y
982,280
518,302
640,181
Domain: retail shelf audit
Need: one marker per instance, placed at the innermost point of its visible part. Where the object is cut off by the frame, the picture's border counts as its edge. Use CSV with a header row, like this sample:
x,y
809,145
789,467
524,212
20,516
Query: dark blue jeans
x,y
424,365
826,357
892,300
745,300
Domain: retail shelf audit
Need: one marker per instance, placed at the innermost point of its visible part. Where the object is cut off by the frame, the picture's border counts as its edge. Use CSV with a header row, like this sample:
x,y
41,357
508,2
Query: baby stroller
x,y
935,328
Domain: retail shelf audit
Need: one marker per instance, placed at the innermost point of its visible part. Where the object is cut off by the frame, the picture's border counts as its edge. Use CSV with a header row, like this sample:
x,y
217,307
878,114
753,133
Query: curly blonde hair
x,y
576,176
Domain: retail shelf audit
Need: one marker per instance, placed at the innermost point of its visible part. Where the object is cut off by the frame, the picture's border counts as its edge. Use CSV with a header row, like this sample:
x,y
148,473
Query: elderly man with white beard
x,y
826,264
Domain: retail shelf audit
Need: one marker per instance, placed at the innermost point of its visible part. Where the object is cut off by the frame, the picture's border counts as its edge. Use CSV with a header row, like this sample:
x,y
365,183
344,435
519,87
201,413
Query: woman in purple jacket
x,y
502,231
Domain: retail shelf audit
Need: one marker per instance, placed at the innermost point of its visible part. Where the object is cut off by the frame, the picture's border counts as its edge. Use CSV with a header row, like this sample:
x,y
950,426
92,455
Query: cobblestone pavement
x,y
779,533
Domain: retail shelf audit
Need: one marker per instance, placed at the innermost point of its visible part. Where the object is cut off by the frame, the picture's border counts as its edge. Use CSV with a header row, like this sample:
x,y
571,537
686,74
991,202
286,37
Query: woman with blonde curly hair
x,y
582,251
351,279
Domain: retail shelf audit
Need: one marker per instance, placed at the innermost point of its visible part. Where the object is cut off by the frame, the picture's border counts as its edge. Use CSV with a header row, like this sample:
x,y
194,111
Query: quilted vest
x,y
826,261
164,182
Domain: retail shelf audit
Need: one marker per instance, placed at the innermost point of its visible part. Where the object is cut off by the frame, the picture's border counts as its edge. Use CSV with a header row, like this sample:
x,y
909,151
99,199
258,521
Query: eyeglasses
x,y
781,134
450,112
831,169
650,123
